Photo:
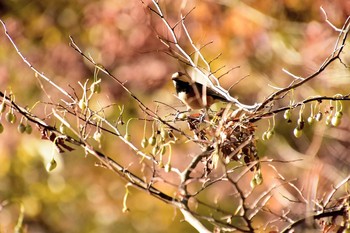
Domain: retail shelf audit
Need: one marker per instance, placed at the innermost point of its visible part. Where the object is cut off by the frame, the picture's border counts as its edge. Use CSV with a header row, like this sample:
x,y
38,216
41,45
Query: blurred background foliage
x,y
261,37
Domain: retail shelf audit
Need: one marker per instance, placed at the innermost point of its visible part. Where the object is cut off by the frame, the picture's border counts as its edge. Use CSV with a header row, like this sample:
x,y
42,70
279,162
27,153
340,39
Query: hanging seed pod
x,y
287,114
310,120
82,104
297,132
51,165
269,134
258,177
152,140
2,107
270,131
162,150
21,128
96,88
257,180
319,116
29,129
167,167
336,119
1,128
11,117
301,123
339,114
155,150
127,136
253,183
328,120
144,143
164,133
97,136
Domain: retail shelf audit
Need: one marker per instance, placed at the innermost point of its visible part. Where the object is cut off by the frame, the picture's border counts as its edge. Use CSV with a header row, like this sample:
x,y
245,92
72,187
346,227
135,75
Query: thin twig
x,y
32,67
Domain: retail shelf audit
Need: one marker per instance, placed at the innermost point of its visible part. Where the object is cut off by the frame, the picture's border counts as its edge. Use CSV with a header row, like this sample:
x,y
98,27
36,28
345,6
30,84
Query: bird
x,y
193,94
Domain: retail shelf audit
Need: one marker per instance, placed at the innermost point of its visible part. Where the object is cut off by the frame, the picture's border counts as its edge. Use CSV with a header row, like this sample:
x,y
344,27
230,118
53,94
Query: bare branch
x,y
329,60
40,74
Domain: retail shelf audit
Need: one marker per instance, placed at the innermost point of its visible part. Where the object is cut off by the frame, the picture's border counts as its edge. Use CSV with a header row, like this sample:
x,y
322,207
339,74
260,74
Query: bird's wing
x,y
211,92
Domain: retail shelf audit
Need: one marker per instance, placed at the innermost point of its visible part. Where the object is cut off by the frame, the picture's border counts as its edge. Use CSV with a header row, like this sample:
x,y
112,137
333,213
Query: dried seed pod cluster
x,y
237,141
231,137
333,115
159,143
11,117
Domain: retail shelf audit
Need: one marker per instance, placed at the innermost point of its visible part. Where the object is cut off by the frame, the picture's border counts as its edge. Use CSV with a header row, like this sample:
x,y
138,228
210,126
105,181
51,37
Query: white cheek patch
x,y
191,102
182,96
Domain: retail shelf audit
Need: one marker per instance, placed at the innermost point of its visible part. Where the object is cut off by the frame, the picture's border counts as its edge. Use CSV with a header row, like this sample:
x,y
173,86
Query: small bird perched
x,y
193,94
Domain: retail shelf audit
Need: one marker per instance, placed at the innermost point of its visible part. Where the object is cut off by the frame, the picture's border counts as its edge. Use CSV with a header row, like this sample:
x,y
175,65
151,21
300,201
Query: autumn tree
x,y
272,158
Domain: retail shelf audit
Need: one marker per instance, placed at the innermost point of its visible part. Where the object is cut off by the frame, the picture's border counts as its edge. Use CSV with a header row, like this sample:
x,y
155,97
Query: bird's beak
x,y
176,75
